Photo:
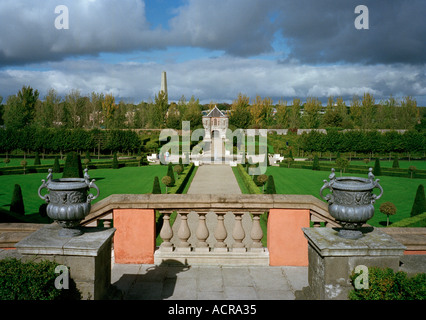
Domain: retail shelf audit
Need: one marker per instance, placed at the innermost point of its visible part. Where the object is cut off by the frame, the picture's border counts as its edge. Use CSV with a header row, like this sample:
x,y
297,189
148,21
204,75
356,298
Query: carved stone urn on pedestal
x,y
68,201
351,201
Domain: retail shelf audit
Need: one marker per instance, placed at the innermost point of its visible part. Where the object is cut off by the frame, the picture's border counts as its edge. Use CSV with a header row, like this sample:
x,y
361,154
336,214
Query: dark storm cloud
x,y
324,31
239,27
315,31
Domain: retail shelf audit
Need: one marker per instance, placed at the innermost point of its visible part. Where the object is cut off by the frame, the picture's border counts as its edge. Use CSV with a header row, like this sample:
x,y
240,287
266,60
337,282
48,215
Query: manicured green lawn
x,y
131,180
400,191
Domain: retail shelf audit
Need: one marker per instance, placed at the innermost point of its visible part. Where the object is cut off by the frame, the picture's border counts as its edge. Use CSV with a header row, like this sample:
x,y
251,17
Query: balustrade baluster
x,y
184,233
107,223
238,233
202,233
166,233
220,233
256,232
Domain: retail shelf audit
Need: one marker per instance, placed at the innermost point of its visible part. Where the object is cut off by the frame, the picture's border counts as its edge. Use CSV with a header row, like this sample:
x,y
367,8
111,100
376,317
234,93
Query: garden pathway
x,y
214,179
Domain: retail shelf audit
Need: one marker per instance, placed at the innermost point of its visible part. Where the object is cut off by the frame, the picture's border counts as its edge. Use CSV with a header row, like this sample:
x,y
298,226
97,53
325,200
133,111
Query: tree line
x,y
99,110
76,111
361,113
363,141
62,140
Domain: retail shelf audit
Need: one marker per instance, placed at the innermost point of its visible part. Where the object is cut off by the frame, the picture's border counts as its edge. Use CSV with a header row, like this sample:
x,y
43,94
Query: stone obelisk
x,y
164,82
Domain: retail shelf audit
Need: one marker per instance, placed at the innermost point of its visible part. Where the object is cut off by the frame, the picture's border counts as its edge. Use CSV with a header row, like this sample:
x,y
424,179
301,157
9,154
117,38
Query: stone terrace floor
x,y
151,282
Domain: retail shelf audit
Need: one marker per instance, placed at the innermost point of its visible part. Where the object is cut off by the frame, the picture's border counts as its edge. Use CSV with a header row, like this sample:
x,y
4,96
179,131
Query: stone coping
x,y
413,238
373,243
46,241
207,202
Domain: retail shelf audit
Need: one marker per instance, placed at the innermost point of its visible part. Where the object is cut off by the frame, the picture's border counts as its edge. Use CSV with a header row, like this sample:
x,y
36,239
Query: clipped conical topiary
x,y
17,204
56,166
395,163
156,188
88,156
377,171
419,205
171,174
37,159
115,161
270,186
316,165
73,167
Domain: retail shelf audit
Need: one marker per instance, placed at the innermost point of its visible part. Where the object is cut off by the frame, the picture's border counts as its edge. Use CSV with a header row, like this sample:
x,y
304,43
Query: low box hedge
x,y
418,221
248,180
107,164
182,180
32,281
359,169
385,284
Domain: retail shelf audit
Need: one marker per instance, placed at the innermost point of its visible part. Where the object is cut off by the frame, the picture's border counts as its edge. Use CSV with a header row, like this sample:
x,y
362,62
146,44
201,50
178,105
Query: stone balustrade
x,y
219,232
211,229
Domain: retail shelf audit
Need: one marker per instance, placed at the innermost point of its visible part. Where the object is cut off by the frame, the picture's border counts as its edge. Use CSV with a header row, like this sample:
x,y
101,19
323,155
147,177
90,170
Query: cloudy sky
x,y
215,49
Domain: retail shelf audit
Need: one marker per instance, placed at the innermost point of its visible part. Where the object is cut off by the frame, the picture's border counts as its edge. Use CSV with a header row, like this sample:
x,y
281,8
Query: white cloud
x,y
234,30
220,79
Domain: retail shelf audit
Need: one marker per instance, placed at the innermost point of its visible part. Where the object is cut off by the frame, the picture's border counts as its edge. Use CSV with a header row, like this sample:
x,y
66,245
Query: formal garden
x,y
117,159
128,172
399,164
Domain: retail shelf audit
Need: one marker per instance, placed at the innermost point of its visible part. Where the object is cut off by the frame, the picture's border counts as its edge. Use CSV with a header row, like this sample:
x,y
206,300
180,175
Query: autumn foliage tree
x,y
240,112
108,108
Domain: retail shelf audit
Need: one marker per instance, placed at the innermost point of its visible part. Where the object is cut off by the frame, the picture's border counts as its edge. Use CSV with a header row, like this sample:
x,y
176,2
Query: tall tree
x,y
240,112
367,111
20,109
335,114
311,113
257,111
193,113
159,110
108,109
281,117
294,114
356,112
74,109
409,113
261,111
94,109
52,101
119,119
173,117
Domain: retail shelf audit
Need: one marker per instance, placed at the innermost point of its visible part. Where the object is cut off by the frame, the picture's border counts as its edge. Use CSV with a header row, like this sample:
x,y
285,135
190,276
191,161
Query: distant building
x,y
215,124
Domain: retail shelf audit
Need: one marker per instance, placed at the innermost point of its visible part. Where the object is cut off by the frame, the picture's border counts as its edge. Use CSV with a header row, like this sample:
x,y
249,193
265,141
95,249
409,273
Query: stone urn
x,y
351,201
68,201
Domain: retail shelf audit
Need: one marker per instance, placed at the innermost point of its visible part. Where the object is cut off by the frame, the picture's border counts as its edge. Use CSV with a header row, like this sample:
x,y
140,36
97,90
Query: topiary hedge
x,y
182,180
17,203
247,180
32,281
73,167
392,172
418,221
